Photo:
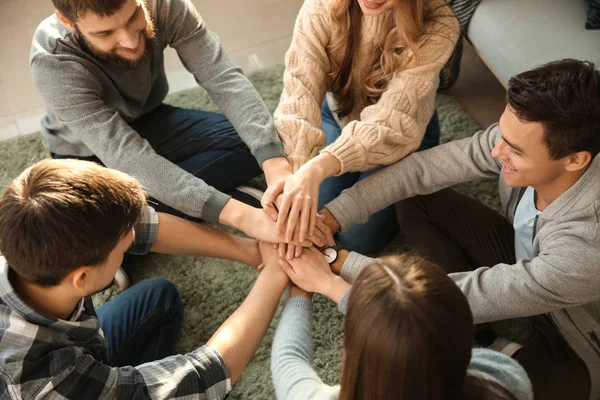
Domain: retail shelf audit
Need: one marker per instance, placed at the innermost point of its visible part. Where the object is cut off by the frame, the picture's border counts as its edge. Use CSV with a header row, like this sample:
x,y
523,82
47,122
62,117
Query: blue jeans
x,y
142,323
381,227
202,143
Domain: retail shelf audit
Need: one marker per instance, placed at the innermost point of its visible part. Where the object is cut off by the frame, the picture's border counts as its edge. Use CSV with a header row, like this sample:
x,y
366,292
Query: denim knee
x,y
166,294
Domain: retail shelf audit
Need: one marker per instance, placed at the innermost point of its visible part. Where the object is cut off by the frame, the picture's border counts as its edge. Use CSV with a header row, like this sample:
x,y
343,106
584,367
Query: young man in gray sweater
x,y
543,259
100,69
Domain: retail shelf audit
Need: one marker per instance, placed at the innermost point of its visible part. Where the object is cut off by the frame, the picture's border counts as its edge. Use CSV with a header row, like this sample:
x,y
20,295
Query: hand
x,y
277,171
298,203
321,238
252,221
295,291
310,271
250,248
270,263
329,220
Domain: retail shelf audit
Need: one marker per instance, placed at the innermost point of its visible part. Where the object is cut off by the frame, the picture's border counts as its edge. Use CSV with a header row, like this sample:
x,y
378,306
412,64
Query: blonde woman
x,y
376,64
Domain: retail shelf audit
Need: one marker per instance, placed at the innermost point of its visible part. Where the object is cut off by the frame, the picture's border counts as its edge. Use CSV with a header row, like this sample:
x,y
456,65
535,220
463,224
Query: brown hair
x,y
406,27
564,96
408,335
73,10
59,215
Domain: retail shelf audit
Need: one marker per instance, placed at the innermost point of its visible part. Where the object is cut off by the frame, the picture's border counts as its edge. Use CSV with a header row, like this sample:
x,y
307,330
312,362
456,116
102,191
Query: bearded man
x,y
99,66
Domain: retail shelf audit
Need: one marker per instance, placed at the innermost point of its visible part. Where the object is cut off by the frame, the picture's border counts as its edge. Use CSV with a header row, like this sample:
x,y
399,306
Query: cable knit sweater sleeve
x,y
394,127
298,115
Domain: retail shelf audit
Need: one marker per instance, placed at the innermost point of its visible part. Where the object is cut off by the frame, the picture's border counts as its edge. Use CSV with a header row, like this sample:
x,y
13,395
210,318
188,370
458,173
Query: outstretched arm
x,y
179,236
239,337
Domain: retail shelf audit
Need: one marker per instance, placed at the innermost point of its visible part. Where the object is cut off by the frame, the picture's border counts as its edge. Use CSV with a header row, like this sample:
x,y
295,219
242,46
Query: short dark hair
x,y
73,10
564,96
59,215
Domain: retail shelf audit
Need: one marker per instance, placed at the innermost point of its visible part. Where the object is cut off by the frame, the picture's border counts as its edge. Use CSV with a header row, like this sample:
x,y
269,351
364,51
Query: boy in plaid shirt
x,y
64,228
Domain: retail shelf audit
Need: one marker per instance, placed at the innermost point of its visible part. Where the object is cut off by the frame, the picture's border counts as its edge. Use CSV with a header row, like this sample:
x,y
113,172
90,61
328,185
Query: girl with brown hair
x,y
378,62
407,335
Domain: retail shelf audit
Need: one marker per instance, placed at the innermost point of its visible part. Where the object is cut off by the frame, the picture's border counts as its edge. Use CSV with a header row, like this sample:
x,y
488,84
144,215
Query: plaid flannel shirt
x,y
45,357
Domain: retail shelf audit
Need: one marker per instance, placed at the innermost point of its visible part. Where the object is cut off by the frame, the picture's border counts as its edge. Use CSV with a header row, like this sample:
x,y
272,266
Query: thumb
x,y
286,267
271,193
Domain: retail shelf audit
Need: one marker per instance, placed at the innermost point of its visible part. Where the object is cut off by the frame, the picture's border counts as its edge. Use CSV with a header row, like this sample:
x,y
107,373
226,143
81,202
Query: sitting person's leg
x,y
202,143
332,187
142,323
381,227
432,133
556,372
455,231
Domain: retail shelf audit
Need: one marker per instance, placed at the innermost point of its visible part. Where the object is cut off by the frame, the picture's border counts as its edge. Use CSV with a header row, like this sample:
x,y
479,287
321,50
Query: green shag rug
x,y
212,289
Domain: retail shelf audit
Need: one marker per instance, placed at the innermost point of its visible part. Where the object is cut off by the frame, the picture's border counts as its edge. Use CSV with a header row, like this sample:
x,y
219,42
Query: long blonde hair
x,y
405,28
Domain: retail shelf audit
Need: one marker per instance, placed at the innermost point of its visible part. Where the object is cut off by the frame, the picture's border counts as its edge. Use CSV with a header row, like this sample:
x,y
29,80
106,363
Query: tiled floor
x,y
255,33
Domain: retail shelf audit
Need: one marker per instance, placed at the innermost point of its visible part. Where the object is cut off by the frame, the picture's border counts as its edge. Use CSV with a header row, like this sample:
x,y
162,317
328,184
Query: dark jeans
x,y
381,227
142,323
461,234
200,142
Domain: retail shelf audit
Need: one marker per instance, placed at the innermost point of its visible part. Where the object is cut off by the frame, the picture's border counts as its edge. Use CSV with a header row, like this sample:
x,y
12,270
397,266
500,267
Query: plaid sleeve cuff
x,y
146,228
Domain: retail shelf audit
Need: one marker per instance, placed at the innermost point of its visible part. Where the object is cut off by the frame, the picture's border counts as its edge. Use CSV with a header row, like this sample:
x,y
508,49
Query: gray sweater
x,y
563,276
90,103
294,378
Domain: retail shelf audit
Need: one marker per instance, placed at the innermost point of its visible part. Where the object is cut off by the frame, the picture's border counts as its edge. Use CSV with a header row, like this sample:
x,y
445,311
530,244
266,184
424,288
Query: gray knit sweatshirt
x,y
90,103
294,377
563,276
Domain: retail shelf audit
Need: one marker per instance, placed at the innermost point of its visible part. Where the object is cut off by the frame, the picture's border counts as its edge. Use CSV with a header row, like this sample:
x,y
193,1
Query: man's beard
x,y
148,36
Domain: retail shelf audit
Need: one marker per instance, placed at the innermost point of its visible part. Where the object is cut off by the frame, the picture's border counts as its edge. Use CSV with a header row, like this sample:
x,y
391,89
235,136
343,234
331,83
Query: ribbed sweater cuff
x,y
350,153
214,205
346,210
353,265
267,151
343,304
299,303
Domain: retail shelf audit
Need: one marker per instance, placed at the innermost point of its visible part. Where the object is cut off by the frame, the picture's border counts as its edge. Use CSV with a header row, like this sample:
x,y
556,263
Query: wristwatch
x,y
331,254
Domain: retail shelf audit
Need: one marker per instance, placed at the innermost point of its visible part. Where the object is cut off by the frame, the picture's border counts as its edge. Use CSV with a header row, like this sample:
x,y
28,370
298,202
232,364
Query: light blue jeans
x,y
372,236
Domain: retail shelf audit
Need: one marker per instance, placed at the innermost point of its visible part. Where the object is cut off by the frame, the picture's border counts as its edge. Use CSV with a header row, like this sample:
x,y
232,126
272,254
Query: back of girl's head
x,y
408,334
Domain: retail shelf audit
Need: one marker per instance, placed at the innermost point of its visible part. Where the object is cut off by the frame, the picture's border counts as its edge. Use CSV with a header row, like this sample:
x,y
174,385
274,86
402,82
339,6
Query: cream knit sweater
x,y
380,134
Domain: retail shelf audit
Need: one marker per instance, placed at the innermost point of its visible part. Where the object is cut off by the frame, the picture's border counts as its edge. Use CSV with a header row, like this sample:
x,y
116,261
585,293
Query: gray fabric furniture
x,y
513,36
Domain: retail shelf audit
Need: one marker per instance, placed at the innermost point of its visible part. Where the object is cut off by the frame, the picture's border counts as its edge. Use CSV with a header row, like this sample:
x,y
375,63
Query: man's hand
x,y
277,170
312,273
252,221
321,238
330,221
270,262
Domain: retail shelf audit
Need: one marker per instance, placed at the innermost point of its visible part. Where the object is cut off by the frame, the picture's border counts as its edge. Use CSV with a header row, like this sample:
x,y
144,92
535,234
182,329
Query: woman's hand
x,y
300,197
310,271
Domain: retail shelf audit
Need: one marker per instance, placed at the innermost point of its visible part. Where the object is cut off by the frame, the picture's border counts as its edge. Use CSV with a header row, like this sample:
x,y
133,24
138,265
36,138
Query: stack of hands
x,y
296,229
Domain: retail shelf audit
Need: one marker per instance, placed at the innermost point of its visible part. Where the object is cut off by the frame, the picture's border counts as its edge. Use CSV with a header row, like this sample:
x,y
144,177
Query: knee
x,y
407,210
167,295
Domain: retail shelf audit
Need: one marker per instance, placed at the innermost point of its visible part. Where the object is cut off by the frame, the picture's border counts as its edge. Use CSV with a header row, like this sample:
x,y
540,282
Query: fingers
x,y
293,218
291,250
313,218
271,193
317,239
305,218
282,249
298,251
260,267
284,210
287,268
271,211
324,229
